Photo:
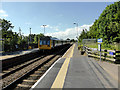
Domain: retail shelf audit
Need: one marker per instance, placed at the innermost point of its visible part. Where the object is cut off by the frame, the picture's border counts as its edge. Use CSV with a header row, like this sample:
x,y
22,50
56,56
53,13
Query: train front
x,y
44,43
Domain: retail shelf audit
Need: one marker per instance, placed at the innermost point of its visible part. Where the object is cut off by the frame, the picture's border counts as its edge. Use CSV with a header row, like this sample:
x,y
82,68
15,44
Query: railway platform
x,y
17,53
73,70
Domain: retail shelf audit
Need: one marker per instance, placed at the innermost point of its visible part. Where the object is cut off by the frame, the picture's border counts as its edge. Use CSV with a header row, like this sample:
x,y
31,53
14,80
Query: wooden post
x,y
105,54
115,55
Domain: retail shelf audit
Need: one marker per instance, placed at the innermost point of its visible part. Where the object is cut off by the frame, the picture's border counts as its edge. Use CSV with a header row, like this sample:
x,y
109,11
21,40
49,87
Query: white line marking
x,y
43,75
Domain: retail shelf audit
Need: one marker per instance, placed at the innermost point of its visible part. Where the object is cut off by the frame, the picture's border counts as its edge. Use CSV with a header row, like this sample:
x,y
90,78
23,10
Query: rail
x,y
27,70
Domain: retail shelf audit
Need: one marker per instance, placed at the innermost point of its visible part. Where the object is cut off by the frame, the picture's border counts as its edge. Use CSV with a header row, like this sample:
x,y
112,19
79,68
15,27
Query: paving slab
x,y
110,68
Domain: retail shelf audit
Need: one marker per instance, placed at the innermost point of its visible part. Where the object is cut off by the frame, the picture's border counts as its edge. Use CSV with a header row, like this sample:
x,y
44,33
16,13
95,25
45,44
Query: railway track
x,y
25,75
14,61
18,67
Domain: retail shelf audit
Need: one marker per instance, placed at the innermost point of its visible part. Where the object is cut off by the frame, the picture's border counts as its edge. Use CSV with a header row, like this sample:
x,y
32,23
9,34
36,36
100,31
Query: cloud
x,y
69,33
86,26
3,13
55,28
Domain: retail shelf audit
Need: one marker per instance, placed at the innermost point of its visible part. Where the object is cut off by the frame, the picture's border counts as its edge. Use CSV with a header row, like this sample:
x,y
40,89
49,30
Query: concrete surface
x,y
110,68
18,53
83,72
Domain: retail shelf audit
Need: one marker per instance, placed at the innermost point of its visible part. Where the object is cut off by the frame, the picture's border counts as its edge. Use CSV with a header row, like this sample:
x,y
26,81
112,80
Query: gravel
x,y
9,79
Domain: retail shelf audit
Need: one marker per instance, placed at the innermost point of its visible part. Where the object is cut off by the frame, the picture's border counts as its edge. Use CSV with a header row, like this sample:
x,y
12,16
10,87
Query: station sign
x,y
99,40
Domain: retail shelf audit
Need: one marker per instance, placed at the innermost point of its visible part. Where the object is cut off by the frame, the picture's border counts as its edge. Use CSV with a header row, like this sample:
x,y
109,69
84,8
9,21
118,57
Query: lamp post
x,y
30,35
29,39
44,28
20,31
77,28
22,35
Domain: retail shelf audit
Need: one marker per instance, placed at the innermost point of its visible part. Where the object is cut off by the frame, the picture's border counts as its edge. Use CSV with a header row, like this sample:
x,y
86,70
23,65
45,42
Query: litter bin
x,y
29,47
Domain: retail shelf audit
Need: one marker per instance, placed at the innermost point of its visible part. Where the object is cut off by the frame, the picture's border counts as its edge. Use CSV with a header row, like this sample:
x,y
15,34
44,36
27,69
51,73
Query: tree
x,y
6,26
72,40
107,26
84,35
37,37
67,39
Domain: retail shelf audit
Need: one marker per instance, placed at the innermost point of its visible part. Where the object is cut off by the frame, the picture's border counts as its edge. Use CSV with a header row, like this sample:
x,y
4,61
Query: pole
x,y
20,36
77,29
19,31
100,52
99,48
44,28
30,35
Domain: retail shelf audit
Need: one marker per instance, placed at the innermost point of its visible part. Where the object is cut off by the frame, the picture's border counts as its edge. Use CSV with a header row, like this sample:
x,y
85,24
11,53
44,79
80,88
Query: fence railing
x,y
111,55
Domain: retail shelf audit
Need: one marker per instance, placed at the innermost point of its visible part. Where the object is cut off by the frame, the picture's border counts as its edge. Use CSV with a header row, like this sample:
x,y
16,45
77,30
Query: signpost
x,y
99,46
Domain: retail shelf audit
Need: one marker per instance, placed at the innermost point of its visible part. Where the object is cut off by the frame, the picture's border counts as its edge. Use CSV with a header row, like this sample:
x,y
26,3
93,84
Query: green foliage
x,y
36,38
106,27
84,35
72,40
11,39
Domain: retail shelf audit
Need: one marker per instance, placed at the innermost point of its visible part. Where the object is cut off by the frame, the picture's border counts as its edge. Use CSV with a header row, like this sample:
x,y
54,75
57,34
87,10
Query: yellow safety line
x,y
72,51
59,81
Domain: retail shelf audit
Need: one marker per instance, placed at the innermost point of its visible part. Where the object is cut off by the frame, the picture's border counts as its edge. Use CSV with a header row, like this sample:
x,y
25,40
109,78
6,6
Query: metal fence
x,y
112,53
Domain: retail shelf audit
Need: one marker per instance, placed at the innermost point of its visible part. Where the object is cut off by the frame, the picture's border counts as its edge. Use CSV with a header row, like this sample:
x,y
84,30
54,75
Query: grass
x,y
93,45
112,47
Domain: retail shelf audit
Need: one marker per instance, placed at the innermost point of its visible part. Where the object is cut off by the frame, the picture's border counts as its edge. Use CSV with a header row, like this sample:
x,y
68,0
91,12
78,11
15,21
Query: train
x,y
48,43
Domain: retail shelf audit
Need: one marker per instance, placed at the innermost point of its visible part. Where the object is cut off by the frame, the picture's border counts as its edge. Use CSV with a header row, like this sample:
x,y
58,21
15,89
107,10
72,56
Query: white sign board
x,y
99,40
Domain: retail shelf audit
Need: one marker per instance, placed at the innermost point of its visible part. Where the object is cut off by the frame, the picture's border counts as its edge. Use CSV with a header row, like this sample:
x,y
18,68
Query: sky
x,y
58,16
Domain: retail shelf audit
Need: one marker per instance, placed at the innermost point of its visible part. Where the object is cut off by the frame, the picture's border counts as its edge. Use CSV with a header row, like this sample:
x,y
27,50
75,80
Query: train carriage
x,y
47,43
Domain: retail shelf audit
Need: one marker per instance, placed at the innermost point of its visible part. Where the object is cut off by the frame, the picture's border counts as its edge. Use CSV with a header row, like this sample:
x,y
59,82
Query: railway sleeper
x,y
26,86
46,67
38,72
1,74
35,75
33,78
6,71
27,83
26,80
42,69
